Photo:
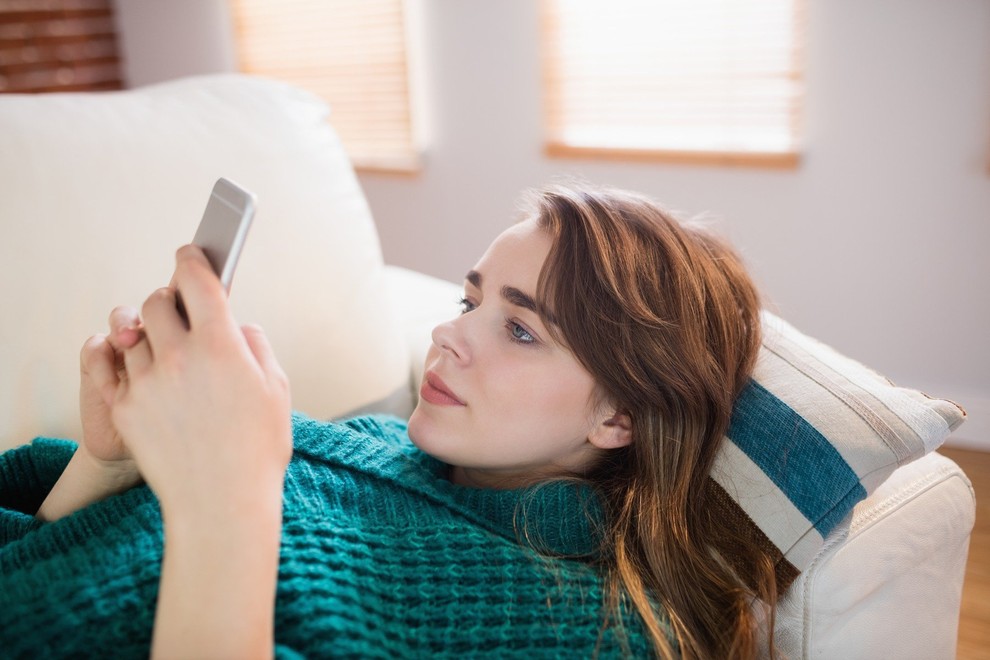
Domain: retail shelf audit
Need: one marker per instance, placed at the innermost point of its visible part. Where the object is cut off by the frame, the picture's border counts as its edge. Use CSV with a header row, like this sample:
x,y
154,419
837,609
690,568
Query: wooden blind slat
x,y
23,6
351,53
65,45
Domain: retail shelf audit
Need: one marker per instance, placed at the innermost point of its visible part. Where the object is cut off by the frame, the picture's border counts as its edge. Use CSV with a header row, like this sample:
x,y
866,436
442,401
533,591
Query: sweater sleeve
x,y
27,474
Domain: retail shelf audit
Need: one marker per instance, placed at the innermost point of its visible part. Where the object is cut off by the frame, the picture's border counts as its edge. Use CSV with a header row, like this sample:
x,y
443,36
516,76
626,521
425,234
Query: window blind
x,y
58,46
712,81
352,53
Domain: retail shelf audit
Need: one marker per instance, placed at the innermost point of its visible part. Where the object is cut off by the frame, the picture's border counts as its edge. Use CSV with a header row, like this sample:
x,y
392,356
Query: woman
x,y
555,501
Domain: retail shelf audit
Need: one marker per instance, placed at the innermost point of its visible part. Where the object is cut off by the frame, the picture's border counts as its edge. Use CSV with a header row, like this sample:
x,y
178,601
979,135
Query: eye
x,y
466,305
518,333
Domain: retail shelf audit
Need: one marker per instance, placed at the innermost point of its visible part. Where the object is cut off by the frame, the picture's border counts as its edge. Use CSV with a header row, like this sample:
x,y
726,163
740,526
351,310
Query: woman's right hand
x,y
101,370
102,465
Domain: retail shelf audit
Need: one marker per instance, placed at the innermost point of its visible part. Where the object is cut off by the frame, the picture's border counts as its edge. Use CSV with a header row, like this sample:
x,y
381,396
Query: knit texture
x,y
381,557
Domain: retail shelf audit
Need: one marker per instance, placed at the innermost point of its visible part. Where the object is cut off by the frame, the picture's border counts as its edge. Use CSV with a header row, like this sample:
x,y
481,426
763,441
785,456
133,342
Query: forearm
x,y
219,576
84,481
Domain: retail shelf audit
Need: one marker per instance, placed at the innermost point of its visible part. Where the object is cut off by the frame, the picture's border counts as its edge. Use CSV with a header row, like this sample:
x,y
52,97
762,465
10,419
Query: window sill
x,y
406,165
768,160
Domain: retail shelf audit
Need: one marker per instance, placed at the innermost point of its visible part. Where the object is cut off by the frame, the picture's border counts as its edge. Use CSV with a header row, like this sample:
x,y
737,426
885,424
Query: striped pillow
x,y
812,434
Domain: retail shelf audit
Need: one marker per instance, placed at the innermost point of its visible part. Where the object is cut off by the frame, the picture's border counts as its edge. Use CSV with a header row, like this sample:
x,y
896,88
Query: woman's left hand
x,y
205,407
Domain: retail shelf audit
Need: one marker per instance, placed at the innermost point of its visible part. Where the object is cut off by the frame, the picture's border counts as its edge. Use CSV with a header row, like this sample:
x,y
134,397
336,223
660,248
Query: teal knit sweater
x,y
381,556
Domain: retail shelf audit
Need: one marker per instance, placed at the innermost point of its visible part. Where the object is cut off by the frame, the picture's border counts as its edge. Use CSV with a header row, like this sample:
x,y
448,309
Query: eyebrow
x,y
511,294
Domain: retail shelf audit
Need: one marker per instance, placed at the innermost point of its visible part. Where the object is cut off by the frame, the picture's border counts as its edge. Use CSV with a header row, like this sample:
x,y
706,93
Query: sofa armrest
x,y
888,582
420,302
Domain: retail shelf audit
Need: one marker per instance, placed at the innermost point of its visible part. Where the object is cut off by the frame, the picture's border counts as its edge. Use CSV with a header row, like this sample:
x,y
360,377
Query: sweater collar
x,y
555,517
559,517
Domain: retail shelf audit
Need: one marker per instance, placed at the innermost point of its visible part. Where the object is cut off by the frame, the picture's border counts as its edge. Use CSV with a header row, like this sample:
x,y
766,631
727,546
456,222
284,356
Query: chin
x,y
418,428
428,434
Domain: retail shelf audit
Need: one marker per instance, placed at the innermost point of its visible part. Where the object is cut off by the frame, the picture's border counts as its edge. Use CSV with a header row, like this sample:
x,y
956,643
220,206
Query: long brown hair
x,y
664,316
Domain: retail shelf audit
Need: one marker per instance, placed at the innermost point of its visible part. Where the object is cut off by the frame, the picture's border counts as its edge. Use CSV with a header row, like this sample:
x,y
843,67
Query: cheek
x,y
558,391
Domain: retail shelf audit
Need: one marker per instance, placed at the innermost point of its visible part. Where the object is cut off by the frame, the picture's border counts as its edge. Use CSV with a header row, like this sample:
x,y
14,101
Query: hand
x,y
102,466
204,409
101,366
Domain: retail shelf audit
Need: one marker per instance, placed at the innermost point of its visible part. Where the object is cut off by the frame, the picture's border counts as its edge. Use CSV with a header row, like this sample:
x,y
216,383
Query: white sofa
x,y
99,189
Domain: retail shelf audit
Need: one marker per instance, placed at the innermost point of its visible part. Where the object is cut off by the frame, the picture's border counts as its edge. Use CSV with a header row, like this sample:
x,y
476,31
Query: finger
x,y
204,297
97,361
163,326
262,350
125,327
137,358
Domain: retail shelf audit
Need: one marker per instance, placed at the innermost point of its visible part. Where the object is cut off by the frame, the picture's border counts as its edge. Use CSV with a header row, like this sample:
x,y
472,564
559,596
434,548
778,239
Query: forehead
x,y
516,256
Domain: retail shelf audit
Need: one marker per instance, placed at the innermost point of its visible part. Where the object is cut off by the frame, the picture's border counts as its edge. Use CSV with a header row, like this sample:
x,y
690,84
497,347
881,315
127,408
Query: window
x,y
58,47
709,81
352,53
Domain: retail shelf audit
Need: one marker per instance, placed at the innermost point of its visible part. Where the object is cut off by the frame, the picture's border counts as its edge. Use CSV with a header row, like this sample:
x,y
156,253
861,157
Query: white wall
x,y
164,39
876,244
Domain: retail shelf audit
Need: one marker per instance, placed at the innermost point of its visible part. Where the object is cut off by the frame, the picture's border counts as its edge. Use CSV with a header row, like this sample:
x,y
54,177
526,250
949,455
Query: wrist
x,y
224,509
219,579
117,475
84,481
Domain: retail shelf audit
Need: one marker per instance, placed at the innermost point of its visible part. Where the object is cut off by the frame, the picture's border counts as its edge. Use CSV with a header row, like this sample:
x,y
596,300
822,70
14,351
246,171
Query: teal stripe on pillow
x,y
799,460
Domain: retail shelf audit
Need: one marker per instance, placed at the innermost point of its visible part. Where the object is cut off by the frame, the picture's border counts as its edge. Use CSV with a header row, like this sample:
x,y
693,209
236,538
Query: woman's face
x,y
500,401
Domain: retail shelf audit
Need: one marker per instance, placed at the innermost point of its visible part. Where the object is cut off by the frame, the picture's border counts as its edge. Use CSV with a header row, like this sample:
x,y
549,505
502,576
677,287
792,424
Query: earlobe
x,y
612,433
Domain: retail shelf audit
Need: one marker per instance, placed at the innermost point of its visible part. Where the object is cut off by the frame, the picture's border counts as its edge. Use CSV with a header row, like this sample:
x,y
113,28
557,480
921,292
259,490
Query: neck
x,y
500,479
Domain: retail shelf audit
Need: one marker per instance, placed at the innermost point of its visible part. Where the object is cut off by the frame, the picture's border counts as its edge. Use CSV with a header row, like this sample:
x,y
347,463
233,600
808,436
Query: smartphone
x,y
224,227
222,230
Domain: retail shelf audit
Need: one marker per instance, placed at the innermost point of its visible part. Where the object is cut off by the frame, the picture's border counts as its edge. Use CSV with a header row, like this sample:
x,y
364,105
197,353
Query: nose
x,y
449,338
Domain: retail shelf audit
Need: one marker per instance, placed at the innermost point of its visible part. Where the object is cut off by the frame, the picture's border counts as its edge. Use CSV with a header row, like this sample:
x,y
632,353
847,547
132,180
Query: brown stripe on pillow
x,y
727,512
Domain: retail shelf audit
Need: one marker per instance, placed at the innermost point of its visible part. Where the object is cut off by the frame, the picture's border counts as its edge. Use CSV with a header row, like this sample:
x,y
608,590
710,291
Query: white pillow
x,y
812,434
99,189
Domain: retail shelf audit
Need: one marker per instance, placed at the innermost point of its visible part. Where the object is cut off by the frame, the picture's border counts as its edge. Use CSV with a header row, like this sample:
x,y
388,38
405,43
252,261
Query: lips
x,y
435,391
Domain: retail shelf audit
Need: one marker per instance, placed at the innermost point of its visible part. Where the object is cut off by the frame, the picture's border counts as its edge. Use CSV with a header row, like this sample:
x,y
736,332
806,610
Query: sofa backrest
x,y
99,189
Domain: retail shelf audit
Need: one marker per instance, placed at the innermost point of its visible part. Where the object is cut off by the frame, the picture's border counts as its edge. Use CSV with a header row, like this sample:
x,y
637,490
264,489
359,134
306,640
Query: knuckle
x,y
93,343
188,256
91,349
154,299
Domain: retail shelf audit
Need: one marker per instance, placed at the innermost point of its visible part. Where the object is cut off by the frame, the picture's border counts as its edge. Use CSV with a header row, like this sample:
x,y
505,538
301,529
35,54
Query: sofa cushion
x,y
101,188
812,434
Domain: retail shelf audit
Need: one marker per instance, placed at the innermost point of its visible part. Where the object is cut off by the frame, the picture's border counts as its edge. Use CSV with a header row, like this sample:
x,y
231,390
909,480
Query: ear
x,y
612,432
